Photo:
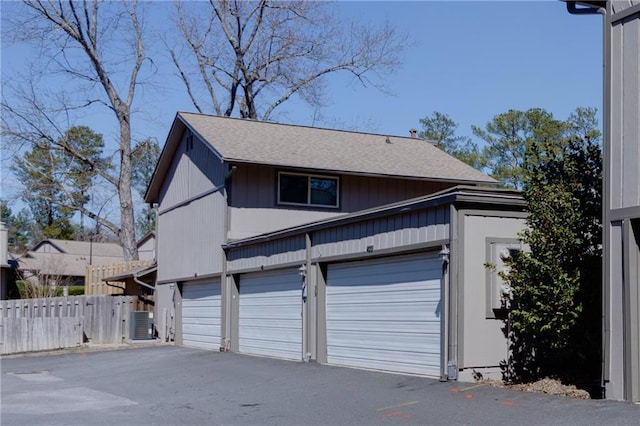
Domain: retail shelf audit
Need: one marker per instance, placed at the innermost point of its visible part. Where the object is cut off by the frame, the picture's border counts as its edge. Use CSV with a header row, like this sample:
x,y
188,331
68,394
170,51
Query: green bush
x,y
76,290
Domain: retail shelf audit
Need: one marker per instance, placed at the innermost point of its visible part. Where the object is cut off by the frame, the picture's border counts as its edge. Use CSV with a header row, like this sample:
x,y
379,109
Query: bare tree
x,y
98,46
248,57
45,277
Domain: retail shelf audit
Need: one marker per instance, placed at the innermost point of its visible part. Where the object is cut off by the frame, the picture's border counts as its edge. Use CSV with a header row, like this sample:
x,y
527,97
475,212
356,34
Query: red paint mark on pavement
x,y
469,396
507,403
455,390
393,414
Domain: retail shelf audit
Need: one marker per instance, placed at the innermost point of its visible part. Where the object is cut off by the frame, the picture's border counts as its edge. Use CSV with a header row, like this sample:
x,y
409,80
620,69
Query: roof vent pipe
x,y
413,133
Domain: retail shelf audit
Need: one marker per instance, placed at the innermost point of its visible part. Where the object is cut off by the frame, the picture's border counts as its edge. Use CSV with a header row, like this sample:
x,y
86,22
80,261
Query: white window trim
x,y
308,203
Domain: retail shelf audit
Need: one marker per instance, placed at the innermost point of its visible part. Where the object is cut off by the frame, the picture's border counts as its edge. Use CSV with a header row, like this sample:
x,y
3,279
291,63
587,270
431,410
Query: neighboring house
x,y
135,278
313,244
147,246
62,262
7,270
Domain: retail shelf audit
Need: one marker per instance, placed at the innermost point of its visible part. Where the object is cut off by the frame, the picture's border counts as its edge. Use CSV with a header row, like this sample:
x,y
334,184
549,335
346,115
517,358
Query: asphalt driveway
x,y
167,385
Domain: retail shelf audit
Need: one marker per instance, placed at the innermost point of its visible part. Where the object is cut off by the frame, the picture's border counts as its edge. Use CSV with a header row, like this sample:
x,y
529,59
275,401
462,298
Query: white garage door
x,y
270,321
385,314
201,314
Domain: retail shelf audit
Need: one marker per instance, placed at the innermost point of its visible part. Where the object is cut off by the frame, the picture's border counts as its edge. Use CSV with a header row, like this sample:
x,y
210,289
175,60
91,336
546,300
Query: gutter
x,y
588,10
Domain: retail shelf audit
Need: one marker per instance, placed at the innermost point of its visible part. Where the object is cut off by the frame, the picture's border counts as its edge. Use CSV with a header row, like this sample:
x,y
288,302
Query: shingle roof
x,y
63,264
257,142
83,248
315,149
69,258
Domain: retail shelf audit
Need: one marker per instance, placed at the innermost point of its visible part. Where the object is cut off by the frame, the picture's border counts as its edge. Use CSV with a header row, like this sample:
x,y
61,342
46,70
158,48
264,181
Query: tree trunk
x,y
127,226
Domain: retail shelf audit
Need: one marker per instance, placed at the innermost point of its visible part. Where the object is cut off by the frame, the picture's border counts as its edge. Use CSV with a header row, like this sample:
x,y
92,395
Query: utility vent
x,y
141,327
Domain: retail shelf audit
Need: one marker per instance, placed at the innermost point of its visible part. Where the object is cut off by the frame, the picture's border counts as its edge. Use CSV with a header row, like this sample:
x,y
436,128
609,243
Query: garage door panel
x,y
275,300
373,360
393,326
270,322
402,342
385,314
201,310
384,273
272,349
199,314
364,311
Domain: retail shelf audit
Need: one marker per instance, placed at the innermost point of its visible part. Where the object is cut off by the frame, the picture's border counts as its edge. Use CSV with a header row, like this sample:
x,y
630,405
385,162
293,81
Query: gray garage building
x,y
346,248
402,287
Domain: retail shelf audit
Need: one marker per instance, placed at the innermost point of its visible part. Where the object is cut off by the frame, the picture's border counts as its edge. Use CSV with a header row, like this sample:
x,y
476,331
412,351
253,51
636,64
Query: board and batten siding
x,y
625,112
621,378
192,215
401,230
254,208
192,172
272,253
192,238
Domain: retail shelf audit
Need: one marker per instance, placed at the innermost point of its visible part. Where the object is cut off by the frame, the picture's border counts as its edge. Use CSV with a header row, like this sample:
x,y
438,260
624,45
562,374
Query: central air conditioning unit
x,y
141,325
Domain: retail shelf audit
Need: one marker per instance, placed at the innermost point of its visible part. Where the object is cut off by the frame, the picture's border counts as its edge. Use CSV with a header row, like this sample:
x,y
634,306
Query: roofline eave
x,y
489,181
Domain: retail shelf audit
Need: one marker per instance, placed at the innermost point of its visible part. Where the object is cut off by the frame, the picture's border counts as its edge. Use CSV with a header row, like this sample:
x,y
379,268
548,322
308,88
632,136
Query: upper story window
x,y
307,190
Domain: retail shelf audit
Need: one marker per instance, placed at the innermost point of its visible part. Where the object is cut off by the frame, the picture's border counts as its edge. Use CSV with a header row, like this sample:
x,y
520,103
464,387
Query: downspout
x,y
445,374
113,285
143,284
225,282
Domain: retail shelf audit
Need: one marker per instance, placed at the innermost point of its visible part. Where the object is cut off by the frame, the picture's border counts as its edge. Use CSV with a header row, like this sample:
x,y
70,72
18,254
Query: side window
x,y
499,252
307,190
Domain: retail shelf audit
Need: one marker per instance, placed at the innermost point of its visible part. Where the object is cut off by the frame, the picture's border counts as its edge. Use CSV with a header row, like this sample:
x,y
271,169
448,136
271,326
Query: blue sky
x,y
471,60
474,60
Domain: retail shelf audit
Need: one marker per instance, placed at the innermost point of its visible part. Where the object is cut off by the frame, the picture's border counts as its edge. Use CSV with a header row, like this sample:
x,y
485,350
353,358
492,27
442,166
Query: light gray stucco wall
x,y
482,342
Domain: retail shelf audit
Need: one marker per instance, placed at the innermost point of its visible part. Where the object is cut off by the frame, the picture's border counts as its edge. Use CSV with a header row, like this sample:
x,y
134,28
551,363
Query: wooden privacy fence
x,y
93,283
62,322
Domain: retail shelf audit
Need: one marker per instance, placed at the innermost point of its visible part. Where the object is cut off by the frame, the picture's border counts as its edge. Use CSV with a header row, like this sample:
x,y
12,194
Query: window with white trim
x,y
307,190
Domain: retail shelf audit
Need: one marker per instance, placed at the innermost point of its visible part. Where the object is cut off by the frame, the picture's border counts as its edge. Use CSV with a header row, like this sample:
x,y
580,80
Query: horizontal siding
x,y
201,314
190,239
277,252
385,314
385,233
625,108
270,308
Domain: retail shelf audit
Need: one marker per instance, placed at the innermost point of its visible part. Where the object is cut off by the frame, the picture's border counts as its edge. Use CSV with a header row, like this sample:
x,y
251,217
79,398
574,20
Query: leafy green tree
x,y
18,227
80,153
38,170
554,326
508,136
441,128
144,158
